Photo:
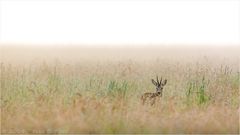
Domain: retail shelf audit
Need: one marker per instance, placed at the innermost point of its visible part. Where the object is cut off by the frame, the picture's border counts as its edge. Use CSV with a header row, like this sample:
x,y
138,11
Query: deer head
x,y
159,85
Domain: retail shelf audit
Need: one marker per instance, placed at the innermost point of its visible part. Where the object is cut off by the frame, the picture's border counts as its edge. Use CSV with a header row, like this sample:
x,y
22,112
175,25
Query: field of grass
x,y
98,90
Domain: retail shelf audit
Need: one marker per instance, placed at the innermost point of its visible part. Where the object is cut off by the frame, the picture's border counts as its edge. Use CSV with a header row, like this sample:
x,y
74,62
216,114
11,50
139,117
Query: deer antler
x,y
160,81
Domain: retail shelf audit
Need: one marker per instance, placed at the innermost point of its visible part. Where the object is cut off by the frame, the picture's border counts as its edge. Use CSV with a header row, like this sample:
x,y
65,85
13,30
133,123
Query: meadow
x,y
72,89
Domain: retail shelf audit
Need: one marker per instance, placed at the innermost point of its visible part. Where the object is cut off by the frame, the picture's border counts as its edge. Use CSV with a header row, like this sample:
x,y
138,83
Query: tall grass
x,y
102,95
196,92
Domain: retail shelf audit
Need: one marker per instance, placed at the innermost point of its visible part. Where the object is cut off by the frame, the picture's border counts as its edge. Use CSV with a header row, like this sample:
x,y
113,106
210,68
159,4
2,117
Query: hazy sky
x,y
118,22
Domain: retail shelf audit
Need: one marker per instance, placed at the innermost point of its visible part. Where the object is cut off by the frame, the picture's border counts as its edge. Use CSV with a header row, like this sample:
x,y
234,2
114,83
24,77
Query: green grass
x,y
201,96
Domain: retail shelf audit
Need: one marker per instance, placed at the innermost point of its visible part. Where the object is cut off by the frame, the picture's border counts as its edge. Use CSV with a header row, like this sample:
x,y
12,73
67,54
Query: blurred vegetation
x,y
201,96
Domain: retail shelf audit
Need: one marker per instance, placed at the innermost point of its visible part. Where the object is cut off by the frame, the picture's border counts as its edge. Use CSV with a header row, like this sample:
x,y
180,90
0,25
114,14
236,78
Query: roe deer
x,y
158,93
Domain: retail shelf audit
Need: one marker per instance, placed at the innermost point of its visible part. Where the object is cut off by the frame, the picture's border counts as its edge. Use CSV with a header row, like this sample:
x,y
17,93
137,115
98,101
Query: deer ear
x,y
164,82
155,83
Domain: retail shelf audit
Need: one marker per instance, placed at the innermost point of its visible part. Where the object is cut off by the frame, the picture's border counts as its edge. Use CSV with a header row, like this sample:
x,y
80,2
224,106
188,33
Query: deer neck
x,y
159,93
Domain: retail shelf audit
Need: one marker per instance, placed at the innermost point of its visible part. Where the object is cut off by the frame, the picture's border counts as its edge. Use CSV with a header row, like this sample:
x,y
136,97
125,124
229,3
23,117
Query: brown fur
x,y
151,97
